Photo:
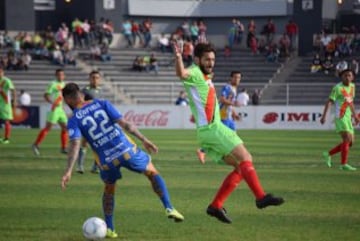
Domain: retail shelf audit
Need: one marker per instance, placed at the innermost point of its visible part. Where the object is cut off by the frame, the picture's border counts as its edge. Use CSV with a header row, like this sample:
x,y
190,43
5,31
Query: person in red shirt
x,y
291,30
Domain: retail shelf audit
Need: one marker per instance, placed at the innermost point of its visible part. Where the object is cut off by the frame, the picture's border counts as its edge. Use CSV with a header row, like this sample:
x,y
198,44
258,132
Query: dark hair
x,y
346,70
58,70
202,48
94,72
70,90
234,72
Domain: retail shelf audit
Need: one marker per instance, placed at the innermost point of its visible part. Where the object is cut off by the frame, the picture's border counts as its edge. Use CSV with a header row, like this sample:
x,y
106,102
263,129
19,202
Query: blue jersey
x,y
228,92
96,122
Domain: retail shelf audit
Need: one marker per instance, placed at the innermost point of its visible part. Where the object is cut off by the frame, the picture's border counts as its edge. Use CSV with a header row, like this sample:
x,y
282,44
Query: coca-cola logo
x,y
270,117
152,118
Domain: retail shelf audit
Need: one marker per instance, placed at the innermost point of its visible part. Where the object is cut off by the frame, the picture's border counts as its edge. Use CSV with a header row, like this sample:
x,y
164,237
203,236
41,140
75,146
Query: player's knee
x,y
150,173
109,188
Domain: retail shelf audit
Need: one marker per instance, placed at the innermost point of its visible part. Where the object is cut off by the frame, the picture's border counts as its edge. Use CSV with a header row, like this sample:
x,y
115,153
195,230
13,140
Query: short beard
x,y
203,70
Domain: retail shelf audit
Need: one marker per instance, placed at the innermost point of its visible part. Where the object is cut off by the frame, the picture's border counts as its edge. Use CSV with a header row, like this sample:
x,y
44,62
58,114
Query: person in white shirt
x,y
242,98
24,98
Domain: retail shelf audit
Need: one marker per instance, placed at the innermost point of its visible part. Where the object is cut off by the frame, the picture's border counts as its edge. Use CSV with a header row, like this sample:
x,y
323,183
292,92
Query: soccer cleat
x,y
35,150
219,213
201,155
5,141
347,167
174,214
327,158
94,169
111,233
63,151
80,169
269,200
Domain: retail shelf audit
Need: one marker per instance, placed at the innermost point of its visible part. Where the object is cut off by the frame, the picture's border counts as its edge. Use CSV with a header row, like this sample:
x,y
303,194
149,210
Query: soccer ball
x,y
94,228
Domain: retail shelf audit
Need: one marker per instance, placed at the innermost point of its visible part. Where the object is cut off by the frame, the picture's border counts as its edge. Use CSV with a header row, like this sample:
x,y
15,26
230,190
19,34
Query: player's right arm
x,y
181,72
74,148
326,109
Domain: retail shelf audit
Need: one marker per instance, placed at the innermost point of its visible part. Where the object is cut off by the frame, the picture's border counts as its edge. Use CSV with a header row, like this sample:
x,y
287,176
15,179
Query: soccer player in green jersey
x,y
92,91
342,95
56,115
221,143
7,102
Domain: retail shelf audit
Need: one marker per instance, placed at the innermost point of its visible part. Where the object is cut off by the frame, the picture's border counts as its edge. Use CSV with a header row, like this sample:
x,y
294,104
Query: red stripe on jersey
x,y
210,101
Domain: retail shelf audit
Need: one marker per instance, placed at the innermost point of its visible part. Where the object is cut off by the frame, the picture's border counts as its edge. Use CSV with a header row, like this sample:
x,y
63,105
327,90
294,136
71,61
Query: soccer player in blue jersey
x,y
103,127
227,100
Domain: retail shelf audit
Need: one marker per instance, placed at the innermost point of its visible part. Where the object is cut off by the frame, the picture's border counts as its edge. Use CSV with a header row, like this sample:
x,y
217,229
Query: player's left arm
x,y
13,100
74,148
133,130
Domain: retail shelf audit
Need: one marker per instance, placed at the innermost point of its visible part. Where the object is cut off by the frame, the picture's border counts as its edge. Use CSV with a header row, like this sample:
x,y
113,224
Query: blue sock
x,y
160,189
108,209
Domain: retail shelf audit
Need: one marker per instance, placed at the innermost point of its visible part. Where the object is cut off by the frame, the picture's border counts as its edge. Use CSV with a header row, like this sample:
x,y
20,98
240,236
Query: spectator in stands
x,y
108,30
242,99
164,43
269,31
317,44
292,30
253,45
202,32
8,40
185,27
328,65
233,31
146,28
135,31
255,97
316,64
227,52
104,52
69,56
139,64
95,52
182,99
194,30
240,31
86,36
25,60
77,32
340,66
126,31
57,56
17,46
2,40
24,98
273,53
251,32
325,40
354,66
153,64
284,43
11,61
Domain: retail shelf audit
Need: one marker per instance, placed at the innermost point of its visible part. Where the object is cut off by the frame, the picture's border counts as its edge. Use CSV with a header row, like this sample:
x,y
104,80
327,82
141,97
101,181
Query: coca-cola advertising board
x,y
157,116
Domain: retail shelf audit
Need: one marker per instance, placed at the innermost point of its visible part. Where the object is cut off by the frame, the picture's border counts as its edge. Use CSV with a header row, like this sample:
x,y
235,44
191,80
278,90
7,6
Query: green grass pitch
x,y
322,204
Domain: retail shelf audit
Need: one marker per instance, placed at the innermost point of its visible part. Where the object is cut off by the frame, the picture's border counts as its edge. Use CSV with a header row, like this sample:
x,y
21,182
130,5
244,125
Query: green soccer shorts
x,y
6,112
344,125
217,140
57,116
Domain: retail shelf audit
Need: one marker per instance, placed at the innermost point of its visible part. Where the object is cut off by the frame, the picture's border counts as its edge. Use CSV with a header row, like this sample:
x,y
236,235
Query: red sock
x,y
335,150
344,152
64,138
7,129
227,187
41,136
251,178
